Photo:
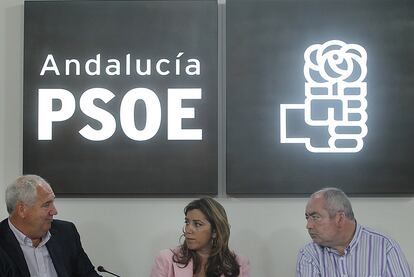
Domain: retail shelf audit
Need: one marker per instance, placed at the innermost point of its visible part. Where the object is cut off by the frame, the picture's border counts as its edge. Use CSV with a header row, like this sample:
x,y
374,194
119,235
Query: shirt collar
x,y
352,244
356,237
25,240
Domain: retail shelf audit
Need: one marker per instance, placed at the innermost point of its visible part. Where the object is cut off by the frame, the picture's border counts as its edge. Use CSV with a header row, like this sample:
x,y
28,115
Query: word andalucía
x,y
112,67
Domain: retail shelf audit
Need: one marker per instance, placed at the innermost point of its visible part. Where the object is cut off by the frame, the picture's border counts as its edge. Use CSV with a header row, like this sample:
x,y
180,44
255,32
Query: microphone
x,y
102,269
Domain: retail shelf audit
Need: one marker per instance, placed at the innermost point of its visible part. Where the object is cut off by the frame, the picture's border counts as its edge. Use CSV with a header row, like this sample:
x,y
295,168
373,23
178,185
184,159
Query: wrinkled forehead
x,y
44,189
316,204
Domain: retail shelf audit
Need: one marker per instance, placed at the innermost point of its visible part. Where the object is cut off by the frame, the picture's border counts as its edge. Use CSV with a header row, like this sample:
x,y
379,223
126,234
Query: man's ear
x,y
340,218
20,209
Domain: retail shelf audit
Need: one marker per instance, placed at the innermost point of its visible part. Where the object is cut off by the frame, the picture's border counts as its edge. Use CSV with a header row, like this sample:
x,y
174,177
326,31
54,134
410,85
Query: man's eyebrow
x,y
311,214
49,201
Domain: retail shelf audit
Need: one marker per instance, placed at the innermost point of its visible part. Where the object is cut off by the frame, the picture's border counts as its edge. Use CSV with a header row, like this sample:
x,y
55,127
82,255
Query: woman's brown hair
x,y
222,261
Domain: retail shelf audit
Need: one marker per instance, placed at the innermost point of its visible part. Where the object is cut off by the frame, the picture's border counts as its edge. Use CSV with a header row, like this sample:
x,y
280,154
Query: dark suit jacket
x,y
6,265
65,249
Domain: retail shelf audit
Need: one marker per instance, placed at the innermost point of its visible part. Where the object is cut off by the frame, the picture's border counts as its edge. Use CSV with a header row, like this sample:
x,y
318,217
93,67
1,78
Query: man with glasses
x,y
343,247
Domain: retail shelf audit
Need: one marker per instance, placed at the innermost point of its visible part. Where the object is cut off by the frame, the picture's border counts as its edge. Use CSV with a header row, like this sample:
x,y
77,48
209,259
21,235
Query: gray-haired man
x,y
341,246
37,244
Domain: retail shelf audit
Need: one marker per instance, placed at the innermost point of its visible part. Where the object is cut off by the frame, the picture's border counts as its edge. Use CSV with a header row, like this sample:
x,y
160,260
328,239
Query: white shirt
x,y
37,258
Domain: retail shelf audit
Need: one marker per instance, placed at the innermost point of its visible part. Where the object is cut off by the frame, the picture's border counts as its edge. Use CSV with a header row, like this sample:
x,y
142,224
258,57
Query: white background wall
x,y
125,234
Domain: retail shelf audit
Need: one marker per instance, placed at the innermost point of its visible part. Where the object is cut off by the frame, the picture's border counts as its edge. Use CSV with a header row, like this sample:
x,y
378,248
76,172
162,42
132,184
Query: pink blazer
x,y
165,267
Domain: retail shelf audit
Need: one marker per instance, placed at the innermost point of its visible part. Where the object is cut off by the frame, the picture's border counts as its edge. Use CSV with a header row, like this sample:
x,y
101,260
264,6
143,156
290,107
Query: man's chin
x,y
313,237
321,242
47,226
316,240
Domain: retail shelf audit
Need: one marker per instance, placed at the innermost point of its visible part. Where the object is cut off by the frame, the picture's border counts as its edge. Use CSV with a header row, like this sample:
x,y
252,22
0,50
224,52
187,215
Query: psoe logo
x,y
335,98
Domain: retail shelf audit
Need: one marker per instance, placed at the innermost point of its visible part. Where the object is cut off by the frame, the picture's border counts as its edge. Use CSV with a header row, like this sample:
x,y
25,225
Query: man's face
x,y
39,216
322,229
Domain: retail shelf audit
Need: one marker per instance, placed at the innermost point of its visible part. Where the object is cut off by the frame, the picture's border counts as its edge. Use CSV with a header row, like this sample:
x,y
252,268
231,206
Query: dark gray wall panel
x,y
266,41
145,30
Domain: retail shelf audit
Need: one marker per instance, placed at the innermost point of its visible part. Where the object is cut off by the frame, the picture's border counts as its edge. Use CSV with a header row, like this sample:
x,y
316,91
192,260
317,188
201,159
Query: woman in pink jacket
x,y
205,251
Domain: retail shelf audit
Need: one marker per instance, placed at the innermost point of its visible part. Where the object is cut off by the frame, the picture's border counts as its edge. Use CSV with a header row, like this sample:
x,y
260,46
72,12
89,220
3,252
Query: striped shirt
x,y
369,254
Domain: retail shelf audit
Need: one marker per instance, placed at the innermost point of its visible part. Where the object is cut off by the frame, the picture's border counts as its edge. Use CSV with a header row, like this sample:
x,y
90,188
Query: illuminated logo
x,y
335,99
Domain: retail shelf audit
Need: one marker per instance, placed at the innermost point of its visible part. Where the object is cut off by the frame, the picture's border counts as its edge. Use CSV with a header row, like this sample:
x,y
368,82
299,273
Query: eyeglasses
x,y
313,217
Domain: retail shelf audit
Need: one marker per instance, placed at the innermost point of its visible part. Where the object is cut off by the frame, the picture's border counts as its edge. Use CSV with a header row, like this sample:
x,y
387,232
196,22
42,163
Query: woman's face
x,y
197,231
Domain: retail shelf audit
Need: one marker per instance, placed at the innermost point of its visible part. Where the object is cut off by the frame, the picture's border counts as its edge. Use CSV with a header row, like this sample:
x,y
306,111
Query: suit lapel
x,y
12,247
56,254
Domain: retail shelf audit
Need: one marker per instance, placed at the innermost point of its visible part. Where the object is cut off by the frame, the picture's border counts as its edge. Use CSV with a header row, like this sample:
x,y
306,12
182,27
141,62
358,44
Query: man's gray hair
x,y
336,201
23,189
